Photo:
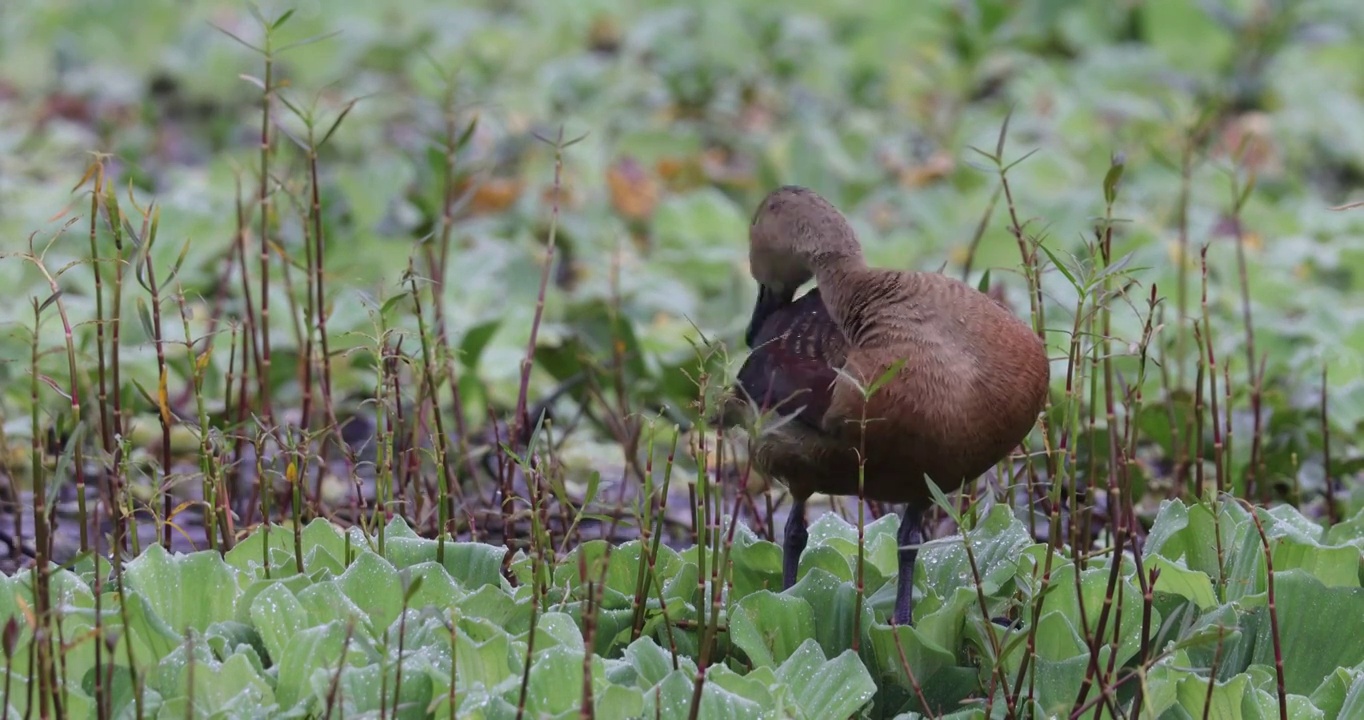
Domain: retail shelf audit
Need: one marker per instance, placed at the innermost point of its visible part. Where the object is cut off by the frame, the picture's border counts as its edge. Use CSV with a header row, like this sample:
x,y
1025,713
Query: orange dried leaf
x,y
669,167
1248,141
162,396
176,527
680,173
604,34
494,195
634,193
937,167
27,611
93,170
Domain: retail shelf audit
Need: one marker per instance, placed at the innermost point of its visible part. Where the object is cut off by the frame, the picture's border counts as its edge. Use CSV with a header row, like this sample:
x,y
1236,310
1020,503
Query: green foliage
x,y
227,638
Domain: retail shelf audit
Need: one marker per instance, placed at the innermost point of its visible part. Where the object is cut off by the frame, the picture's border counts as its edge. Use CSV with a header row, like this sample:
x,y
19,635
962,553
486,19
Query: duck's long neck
x,y
837,277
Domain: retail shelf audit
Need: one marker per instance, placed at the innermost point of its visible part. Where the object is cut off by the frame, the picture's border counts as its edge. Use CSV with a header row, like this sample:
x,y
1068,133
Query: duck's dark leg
x,y
796,536
911,536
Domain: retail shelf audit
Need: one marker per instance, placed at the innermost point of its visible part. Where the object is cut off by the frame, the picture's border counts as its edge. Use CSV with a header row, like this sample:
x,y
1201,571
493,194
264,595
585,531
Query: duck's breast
x,y
794,361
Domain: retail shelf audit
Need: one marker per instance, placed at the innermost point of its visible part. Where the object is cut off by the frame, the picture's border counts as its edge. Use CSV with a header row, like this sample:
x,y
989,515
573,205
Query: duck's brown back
x,y
973,381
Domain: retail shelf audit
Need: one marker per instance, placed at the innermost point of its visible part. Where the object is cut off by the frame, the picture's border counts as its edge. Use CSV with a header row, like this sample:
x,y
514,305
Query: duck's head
x,y
794,232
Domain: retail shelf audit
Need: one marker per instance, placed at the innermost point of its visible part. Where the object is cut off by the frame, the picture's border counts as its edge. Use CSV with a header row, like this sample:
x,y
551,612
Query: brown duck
x,y
972,381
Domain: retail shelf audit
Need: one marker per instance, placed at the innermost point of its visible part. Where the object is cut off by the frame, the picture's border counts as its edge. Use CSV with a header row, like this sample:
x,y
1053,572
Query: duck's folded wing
x,y
791,370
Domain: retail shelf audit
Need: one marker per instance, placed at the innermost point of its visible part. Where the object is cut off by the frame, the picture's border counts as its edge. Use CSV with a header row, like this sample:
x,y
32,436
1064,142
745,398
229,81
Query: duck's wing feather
x,y
794,361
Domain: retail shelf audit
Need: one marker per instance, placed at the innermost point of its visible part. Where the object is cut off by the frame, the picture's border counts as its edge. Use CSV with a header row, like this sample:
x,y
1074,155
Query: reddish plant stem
x,y
106,430
1331,513
41,645
521,421
265,207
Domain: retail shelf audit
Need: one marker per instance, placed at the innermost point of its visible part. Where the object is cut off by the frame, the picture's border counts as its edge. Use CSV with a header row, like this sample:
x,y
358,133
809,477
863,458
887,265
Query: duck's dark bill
x,y
769,301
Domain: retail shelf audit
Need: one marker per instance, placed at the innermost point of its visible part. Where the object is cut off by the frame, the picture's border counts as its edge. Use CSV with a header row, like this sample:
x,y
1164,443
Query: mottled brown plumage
x,y
973,380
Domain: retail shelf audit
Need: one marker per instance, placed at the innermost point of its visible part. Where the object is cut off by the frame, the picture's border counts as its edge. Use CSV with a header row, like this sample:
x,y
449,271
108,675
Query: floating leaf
x,y
769,627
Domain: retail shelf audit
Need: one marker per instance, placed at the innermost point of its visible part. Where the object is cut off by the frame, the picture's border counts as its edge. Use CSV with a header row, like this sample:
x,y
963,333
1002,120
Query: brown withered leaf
x,y
938,166
564,194
73,108
492,195
679,172
634,192
604,35
1248,139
